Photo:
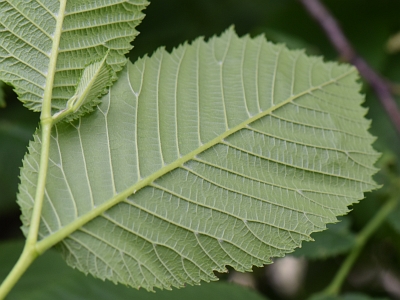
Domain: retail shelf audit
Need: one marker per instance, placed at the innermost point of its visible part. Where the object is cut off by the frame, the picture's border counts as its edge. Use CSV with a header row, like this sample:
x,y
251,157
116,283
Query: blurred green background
x,y
368,24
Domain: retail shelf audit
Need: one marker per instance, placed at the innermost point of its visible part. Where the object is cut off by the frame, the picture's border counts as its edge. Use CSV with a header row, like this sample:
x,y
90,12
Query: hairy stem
x,y
334,287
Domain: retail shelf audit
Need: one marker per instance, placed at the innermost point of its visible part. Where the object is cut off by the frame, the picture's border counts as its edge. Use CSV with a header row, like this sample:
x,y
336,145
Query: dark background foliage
x,y
368,24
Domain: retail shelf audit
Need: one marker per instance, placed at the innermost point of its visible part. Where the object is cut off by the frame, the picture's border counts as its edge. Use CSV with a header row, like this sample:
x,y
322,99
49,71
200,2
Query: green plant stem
x,y
334,287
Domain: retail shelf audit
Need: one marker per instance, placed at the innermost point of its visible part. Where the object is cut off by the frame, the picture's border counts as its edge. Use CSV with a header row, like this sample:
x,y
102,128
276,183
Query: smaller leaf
x,y
34,49
95,81
337,240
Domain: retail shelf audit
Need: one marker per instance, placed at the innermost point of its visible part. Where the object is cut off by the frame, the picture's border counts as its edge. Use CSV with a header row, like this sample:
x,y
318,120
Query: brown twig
x,y
332,29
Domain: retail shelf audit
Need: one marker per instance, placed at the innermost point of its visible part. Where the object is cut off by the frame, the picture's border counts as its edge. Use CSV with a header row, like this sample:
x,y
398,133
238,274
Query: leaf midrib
x,y
62,233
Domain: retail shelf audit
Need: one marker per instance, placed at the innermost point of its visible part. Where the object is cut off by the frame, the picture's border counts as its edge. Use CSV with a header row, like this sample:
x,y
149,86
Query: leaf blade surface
x,y
220,153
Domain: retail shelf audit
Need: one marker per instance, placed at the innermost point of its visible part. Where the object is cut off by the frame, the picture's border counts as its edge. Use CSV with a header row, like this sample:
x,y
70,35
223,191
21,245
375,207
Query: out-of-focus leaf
x,y
50,278
336,240
17,125
394,218
2,101
174,21
393,44
352,296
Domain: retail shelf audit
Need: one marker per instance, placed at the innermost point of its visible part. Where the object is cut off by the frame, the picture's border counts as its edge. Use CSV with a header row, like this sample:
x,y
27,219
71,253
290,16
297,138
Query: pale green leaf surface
x,y
226,152
29,37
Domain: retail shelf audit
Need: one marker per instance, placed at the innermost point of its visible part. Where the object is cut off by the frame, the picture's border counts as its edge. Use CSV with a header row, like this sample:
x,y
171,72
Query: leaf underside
x,y
90,29
232,151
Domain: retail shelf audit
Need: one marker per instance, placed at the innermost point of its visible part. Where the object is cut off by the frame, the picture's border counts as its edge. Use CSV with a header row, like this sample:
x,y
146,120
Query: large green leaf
x,y
226,152
42,39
